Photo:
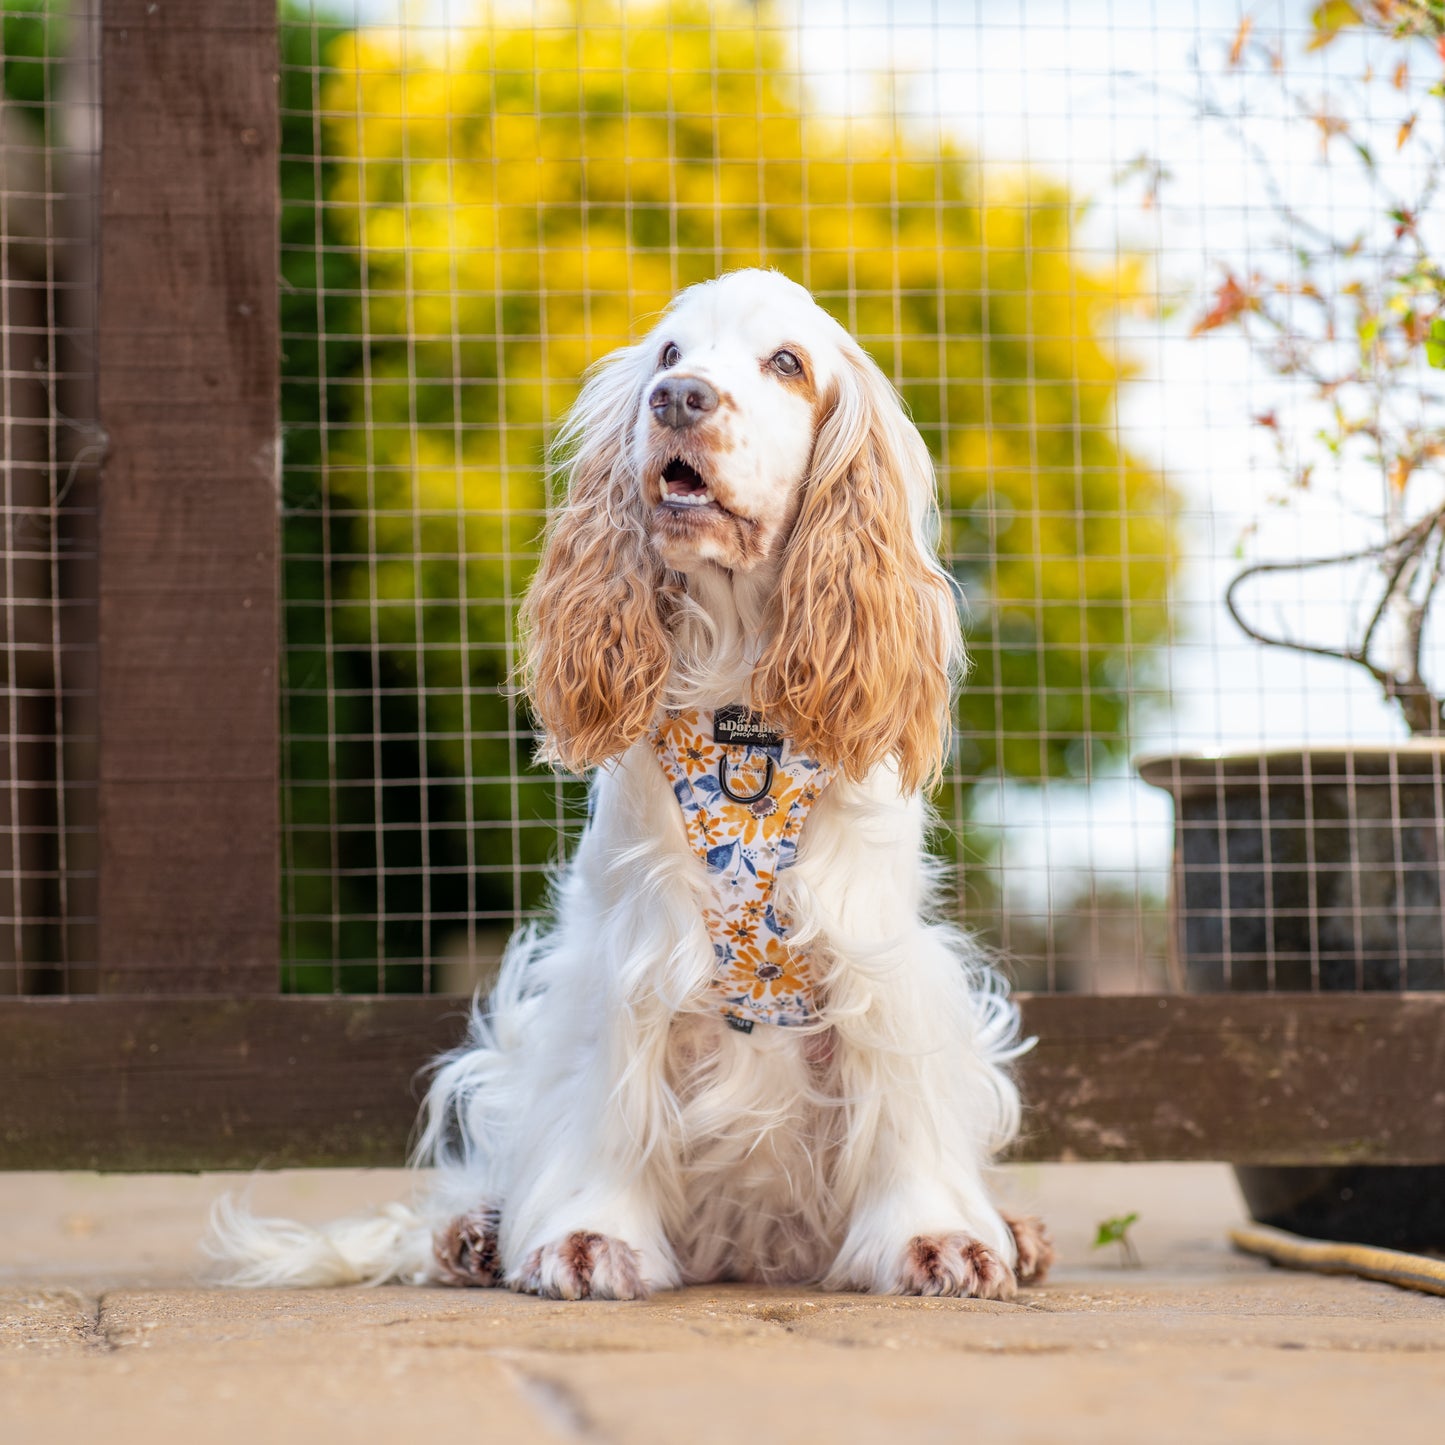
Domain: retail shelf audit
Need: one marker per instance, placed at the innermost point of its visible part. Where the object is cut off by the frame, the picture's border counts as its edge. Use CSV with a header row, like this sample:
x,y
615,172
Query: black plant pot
x,y
1320,871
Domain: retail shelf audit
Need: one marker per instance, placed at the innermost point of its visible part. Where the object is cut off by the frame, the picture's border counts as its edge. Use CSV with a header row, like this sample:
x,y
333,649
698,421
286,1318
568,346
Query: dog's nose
x,y
682,401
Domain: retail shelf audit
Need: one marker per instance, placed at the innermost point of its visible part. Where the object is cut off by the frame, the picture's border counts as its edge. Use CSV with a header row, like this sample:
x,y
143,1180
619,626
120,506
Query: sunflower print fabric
x,y
760,977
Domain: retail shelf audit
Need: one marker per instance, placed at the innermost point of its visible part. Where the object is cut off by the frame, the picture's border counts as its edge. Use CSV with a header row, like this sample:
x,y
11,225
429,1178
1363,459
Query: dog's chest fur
x,y
759,1125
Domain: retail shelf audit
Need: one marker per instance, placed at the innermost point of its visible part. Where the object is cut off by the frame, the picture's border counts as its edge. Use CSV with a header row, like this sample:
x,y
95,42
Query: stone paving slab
x,y
106,1329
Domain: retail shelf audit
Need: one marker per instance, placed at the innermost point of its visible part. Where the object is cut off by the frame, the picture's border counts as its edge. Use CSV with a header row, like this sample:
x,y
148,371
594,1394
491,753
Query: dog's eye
x,y
786,363
670,356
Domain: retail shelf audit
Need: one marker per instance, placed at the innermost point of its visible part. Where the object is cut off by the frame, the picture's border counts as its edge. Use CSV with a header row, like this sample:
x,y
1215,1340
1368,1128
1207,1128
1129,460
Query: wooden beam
x,y
1251,1078
189,385
204,1083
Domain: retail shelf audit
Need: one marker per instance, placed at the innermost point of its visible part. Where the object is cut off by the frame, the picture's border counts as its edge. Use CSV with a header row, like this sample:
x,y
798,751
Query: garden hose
x,y
1391,1266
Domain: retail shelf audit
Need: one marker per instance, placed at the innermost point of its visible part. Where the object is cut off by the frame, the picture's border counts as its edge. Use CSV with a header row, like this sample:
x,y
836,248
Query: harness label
x,y
735,724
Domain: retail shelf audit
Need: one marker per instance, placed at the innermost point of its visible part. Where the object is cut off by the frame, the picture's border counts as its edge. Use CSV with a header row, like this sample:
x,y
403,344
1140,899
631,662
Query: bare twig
x,y
1410,544
1422,612
1421,709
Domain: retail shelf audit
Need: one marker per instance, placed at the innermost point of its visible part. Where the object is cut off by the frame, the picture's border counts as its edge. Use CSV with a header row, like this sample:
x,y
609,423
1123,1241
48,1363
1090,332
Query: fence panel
x,y
252,755
1128,349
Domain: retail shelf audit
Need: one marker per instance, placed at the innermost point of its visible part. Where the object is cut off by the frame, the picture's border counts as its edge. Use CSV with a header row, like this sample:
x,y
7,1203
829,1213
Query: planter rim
x,y
1171,771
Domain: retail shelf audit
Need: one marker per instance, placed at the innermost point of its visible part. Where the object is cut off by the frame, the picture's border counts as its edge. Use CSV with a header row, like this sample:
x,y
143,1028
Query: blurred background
x,y
1157,283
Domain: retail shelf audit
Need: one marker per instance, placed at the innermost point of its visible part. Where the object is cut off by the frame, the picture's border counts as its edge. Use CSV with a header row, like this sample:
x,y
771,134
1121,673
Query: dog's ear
x,y
865,644
594,621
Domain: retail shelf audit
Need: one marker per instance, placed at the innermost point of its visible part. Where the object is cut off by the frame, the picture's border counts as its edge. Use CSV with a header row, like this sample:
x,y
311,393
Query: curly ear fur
x,y
866,646
597,647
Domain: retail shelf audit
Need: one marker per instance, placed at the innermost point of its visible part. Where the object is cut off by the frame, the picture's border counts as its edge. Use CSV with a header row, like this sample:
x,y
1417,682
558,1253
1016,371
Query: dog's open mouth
x,y
683,488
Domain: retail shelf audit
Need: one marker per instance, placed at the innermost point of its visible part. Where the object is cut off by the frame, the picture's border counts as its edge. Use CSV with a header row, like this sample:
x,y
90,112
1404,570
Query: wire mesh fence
x,y
48,586
1157,287
1118,261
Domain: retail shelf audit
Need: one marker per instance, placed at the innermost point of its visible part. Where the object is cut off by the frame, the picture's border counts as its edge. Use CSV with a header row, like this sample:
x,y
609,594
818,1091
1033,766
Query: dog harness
x,y
745,794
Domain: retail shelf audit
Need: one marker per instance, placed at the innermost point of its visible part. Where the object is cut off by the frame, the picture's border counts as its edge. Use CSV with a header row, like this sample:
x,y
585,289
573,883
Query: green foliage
x,y
1116,1231
1435,343
34,38
329,866
502,209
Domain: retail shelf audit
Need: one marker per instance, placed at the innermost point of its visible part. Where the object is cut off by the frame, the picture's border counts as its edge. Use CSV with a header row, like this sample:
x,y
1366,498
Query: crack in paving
x,y
95,1336
560,1407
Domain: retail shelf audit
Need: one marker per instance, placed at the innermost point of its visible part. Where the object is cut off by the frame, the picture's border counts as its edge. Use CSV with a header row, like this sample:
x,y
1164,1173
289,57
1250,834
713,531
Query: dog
x,y
744,1048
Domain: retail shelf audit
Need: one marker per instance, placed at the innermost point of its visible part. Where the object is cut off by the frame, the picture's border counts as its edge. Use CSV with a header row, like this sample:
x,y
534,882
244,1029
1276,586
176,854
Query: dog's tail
x,y
390,1245
468,1101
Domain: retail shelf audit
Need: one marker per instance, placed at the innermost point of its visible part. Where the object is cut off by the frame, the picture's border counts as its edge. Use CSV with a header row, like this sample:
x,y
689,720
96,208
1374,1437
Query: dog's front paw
x,y
466,1250
583,1266
954,1264
1035,1247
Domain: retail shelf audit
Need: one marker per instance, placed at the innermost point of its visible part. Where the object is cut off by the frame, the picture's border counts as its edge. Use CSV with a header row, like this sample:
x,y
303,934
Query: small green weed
x,y
1116,1231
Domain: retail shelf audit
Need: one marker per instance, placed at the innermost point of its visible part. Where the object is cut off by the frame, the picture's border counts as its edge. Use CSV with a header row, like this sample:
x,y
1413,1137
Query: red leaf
x,y
1231,301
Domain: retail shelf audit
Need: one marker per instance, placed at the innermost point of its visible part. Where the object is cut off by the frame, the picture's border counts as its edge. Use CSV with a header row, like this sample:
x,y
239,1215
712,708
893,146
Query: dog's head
x,y
745,370
749,433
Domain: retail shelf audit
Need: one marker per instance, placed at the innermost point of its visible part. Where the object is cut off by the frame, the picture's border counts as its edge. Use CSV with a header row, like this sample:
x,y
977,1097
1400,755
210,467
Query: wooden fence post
x,y
188,352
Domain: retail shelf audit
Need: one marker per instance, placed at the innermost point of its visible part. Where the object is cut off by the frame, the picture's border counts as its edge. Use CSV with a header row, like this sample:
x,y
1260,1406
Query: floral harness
x,y
745,794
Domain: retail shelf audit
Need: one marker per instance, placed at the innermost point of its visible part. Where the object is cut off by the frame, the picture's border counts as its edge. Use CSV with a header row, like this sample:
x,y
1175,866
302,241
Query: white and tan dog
x,y
742,1049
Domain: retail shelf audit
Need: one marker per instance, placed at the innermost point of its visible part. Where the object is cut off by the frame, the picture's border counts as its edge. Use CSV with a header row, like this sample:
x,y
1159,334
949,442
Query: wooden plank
x,y
1252,1078
204,1083
189,357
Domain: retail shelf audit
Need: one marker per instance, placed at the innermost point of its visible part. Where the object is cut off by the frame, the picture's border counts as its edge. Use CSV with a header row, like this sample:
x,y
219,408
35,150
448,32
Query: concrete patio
x,y
105,1332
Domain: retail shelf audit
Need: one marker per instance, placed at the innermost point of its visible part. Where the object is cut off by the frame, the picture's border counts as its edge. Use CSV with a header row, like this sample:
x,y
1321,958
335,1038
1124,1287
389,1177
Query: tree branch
x,y
1421,709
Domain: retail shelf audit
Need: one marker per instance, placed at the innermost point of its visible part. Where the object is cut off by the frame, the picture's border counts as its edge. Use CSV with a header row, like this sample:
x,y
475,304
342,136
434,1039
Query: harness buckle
x,y
767,787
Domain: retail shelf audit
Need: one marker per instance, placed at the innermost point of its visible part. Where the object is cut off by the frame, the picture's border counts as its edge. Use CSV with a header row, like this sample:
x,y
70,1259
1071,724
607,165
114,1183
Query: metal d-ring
x,y
767,787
